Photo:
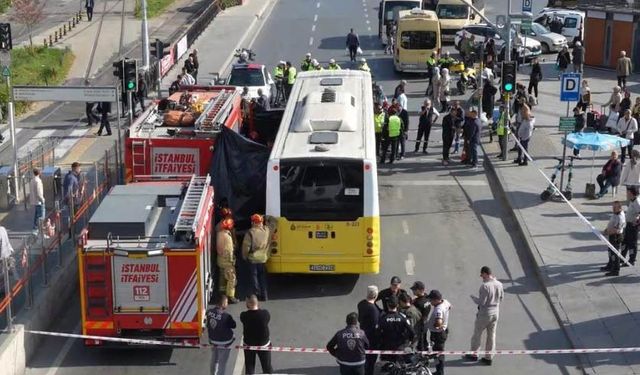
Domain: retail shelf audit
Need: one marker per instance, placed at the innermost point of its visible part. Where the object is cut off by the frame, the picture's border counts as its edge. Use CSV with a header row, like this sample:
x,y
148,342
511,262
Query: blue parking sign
x,y
570,87
526,5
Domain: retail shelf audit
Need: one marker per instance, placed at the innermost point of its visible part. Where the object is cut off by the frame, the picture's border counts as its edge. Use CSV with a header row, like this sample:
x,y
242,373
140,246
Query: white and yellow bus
x,y
322,184
417,36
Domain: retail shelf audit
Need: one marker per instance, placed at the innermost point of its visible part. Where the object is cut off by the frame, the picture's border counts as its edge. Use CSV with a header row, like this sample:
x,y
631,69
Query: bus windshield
x,y
392,8
326,190
418,40
453,11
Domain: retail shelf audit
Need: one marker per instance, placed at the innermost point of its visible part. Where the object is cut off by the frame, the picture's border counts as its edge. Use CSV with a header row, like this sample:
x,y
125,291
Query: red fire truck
x,y
144,261
176,135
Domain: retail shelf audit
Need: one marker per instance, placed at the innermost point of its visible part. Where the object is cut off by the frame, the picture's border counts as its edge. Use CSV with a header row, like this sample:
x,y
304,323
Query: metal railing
x,y
43,253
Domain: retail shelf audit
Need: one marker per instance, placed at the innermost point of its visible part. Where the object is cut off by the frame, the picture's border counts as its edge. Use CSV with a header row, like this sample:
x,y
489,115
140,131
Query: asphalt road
x,y
440,225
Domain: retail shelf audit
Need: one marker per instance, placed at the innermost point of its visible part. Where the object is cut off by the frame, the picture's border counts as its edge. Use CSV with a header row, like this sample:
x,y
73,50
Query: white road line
x,y
34,142
46,117
410,265
311,41
318,4
366,15
69,141
238,366
55,366
405,227
313,28
434,183
7,133
368,28
315,18
367,22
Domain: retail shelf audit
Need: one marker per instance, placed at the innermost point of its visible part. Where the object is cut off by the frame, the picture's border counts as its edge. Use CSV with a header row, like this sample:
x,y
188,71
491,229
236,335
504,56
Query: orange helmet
x,y
256,219
225,212
227,224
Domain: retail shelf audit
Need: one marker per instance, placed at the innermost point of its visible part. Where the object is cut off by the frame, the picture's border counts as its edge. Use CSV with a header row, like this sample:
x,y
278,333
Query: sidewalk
x,y
596,311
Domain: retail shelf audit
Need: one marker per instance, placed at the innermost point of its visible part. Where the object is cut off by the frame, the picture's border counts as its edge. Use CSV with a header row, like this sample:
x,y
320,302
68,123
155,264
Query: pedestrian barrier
x,y
291,349
62,31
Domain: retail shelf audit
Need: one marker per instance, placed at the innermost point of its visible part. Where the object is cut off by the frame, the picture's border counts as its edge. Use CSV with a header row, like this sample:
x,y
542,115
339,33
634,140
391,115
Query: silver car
x,y
549,42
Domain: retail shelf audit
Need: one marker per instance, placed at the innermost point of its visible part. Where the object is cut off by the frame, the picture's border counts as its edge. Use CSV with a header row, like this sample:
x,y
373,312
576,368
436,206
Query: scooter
x,y
550,191
467,80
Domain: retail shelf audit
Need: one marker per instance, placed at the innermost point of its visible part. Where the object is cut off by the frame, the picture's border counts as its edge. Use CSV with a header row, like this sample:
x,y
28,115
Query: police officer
x,y
255,250
220,326
290,78
394,289
378,121
391,132
348,345
333,65
226,259
502,130
438,326
306,63
421,302
278,76
394,330
432,62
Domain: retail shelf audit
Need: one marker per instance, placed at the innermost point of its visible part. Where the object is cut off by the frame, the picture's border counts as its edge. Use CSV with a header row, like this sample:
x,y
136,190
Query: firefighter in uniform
x,y
363,65
225,245
394,330
348,345
306,63
391,132
291,75
255,250
378,121
278,75
333,65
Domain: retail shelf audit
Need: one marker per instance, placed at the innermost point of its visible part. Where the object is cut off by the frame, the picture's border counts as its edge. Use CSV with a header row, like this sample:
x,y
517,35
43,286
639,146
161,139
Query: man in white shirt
x,y
36,197
187,79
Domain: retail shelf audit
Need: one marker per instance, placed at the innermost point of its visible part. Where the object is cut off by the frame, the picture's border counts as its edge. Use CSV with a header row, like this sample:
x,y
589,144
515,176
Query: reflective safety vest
x,y
306,65
395,125
378,121
431,62
334,67
502,129
292,75
278,72
364,67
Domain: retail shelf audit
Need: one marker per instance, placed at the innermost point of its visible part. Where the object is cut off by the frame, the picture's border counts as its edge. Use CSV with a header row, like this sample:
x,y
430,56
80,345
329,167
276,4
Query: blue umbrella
x,y
594,142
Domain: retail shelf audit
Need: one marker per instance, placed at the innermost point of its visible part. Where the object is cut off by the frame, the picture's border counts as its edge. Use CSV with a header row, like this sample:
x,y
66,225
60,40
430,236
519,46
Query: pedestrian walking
x,y
578,57
89,110
631,170
255,250
36,198
438,326
624,67
614,230
368,316
627,126
105,110
394,331
585,96
391,131
473,136
563,60
610,175
490,296
428,116
534,77
525,131
226,260
448,133
394,290
630,234
348,346
220,326
445,81
255,330
353,42
89,7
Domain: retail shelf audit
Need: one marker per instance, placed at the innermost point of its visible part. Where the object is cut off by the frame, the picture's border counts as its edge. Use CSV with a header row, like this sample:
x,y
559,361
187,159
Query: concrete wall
x,y
12,353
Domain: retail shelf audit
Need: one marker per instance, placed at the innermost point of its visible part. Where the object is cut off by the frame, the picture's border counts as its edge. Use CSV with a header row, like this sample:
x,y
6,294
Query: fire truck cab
x,y
145,261
176,135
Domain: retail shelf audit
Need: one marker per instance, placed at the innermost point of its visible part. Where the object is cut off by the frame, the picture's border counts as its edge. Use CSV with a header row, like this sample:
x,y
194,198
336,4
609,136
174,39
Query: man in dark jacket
x,y
610,175
428,116
89,6
393,290
353,42
190,67
394,330
489,92
368,316
220,326
578,57
348,346
105,110
255,330
474,127
91,115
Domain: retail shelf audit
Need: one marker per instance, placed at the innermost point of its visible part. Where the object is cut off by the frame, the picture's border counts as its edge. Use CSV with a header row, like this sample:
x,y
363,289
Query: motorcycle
x,y
413,364
467,80
244,55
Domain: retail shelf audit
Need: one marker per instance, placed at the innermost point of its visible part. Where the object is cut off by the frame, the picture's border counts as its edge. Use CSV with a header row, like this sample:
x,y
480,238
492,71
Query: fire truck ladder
x,y
139,156
215,112
192,205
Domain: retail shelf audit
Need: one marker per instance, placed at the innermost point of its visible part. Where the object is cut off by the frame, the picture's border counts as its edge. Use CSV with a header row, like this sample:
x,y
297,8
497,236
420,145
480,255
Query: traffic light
x,y
5,37
158,49
509,76
117,69
130,75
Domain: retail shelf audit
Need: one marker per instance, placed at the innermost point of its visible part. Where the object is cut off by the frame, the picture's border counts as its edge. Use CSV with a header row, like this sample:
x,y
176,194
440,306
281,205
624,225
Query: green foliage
x,y
154,7
224,4
36,66
4,5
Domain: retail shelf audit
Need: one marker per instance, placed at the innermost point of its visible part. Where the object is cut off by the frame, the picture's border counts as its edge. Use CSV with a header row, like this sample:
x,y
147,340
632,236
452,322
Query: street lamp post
x,y
145,36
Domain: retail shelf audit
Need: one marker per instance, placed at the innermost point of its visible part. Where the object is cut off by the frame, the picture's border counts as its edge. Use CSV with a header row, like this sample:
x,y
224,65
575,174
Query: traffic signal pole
x,y
145,36
507,97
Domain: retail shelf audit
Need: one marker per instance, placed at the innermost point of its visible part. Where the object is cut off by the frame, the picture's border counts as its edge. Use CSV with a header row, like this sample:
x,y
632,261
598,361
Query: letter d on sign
x,y
569,85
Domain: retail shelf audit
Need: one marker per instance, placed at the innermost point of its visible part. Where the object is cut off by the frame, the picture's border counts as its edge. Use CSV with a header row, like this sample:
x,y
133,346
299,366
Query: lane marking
x,y
405,227
70,140
318,4
368,28
367,22
366,15
310,41
55,366
410,265
315,18
393,183
54,110
313,28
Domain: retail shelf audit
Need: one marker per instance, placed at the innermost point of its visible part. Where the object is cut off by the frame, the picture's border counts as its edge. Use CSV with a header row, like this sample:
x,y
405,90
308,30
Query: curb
x,y
552,297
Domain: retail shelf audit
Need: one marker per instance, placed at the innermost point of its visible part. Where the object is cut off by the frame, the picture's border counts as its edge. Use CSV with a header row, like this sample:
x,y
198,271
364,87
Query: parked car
x,y
253,76
481,32
549,42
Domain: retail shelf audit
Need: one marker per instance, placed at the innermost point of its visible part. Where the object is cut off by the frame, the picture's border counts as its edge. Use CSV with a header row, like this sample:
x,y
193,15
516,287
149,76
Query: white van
x,y
572,21
454,15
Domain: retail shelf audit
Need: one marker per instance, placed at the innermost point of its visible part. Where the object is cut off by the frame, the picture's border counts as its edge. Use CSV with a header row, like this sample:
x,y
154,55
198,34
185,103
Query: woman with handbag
x,y
627,126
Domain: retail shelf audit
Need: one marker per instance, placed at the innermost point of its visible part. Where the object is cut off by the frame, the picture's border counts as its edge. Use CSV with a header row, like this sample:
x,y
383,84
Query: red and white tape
x,y
290,349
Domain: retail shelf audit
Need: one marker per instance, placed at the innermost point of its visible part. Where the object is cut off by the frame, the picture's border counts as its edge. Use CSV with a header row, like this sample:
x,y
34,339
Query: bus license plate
x,y
322,234
322,267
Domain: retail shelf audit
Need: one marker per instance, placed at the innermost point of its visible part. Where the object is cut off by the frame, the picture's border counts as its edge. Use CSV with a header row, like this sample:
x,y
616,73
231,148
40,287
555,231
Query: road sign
x,y
526,24
567,124
570,87
5,71
65,93
526,5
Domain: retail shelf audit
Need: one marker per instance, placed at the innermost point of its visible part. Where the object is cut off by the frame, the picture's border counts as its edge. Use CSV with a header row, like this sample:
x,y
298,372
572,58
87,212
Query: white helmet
x,y
308,54
332,61
363,60
315,62
244,55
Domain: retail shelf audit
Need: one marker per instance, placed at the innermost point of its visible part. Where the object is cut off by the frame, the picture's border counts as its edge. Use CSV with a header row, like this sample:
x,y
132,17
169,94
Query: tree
x,y
29,13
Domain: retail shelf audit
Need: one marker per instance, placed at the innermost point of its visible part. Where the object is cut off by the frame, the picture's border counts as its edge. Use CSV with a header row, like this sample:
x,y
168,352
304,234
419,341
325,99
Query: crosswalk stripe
x,y
69,141
7,133
34,142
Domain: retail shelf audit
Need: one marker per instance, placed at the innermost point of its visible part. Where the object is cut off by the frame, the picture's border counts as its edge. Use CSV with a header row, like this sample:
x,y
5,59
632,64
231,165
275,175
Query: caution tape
x,y
291,349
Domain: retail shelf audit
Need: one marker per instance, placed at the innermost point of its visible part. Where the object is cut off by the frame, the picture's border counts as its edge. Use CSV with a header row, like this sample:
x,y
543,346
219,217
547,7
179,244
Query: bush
x,y
4,5
36,66
154,7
